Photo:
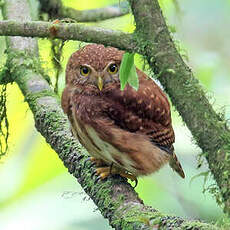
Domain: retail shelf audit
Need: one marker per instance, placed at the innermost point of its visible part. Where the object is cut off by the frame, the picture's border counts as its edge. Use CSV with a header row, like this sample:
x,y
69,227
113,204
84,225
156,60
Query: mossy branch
x,y
56,9
208,128
114,197
67,31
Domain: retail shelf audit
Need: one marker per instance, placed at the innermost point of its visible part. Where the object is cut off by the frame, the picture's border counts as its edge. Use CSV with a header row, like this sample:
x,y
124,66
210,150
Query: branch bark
x,y
56,9
209,129
67,31
115,198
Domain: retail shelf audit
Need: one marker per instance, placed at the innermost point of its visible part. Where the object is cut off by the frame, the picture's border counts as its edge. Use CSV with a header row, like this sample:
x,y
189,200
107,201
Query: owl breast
x,y
101,149
85,131
104,140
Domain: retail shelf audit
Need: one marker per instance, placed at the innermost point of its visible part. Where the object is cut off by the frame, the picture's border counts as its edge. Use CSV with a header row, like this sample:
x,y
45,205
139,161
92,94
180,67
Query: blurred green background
x,y
37,192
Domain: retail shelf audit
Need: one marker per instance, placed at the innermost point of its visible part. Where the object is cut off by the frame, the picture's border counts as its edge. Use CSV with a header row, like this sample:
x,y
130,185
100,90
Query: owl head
x,y
94,65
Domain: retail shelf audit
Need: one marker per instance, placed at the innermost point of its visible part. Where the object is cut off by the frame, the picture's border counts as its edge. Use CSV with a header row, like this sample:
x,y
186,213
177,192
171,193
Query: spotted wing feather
x,y
145,111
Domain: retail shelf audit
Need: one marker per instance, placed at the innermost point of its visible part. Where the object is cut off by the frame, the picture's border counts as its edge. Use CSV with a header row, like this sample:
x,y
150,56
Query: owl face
x,y
87,74
94,65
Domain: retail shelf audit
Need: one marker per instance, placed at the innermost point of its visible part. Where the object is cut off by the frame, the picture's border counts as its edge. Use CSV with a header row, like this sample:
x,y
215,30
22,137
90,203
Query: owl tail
x,y
176,166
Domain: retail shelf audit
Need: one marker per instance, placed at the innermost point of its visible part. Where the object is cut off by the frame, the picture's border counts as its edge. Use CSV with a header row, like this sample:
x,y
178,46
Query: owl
x,y
126,132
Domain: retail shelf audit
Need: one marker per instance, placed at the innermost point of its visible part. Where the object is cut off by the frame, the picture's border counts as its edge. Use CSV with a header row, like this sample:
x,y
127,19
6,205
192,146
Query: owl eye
x,y
113,69
84,71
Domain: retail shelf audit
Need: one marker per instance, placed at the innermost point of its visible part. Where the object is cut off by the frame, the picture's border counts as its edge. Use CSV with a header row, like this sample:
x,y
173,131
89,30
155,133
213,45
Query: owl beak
x,y
100,83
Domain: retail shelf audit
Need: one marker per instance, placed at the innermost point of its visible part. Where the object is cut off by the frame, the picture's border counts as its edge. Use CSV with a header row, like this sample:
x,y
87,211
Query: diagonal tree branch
x,y
56,9
208,128
115,198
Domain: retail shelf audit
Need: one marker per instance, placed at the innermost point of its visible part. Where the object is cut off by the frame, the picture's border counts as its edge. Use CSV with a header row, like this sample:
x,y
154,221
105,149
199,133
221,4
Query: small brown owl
x,y
126,132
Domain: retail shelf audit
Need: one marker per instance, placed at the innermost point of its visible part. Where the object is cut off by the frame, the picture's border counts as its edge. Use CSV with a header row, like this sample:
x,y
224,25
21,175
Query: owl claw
x,y
86,161
103,172
93,173
97,162
129,176
94,162
97,179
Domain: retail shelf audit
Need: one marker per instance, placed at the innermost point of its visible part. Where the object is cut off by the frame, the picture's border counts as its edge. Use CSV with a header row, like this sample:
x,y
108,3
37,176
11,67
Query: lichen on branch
x,y
208,128
68,31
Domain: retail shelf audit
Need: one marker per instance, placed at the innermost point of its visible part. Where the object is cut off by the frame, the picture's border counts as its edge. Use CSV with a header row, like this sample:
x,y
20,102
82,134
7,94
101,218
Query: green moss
x,y
197,226
32,100
5,77
208,128
21,61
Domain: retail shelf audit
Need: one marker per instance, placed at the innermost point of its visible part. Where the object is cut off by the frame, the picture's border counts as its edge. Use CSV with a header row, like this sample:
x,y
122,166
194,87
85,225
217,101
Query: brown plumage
x,y
131,129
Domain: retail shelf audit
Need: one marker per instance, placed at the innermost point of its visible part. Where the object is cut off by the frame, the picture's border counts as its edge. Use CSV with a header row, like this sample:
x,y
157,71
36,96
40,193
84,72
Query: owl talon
x,y
94,173
97,179
97,162
93,164
94,161
104,172
129,176
104,175
86,161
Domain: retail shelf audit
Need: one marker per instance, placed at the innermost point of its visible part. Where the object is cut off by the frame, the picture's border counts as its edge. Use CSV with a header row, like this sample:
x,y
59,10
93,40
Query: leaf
x,y
128,72
126,65
133,78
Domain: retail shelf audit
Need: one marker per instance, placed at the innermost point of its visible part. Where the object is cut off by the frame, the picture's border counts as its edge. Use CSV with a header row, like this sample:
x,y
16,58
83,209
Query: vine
x,y
56,50
4,124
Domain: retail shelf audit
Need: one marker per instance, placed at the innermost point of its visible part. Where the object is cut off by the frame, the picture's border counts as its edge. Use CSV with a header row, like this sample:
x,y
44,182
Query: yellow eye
x,y
113,69
84,71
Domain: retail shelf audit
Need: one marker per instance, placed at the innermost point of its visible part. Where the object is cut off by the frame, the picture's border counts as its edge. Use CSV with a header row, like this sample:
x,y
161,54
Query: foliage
x,y
128,72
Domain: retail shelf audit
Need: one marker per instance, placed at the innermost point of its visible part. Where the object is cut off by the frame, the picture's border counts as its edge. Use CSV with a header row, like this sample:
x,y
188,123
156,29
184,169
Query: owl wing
x,y
146,111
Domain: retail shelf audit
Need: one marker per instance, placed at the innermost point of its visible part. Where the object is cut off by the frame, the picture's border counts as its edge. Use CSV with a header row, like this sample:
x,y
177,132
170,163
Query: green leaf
x,y
133,78
128,72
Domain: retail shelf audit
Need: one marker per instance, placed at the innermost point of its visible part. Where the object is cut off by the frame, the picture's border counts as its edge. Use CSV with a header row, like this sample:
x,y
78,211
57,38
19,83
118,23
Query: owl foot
x,y
97,162
129,176
104,172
